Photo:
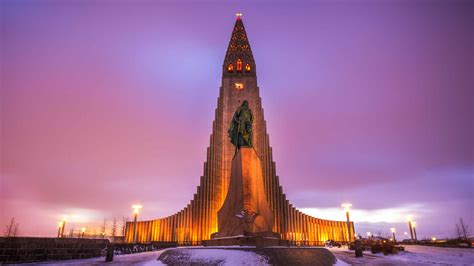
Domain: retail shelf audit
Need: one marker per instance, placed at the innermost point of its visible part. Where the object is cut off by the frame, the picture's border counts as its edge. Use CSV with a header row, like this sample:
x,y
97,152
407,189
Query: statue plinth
x,y
245,218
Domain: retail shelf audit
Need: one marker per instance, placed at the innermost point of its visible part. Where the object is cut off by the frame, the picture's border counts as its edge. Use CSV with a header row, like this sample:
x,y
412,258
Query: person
x,y
110,253
358,248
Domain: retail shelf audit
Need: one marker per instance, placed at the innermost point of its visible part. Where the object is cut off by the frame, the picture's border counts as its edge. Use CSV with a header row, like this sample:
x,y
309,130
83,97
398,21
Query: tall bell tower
x,y
198,220
239,83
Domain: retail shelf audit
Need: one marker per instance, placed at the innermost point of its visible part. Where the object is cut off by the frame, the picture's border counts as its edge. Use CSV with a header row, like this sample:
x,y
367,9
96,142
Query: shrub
x,y
386,248
375,248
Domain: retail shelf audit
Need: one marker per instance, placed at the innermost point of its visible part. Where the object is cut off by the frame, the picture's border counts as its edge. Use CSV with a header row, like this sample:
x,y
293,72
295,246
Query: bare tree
x,y
11,229
114,229
463,229
124,225
15,230
458,231
103,228
71,231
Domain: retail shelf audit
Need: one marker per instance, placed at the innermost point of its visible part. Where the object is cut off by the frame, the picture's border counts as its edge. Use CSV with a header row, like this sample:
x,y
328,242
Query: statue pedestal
x,y
245,218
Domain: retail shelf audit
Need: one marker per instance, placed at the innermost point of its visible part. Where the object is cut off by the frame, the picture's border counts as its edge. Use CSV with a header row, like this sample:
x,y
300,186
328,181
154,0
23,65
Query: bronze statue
x,y
240,131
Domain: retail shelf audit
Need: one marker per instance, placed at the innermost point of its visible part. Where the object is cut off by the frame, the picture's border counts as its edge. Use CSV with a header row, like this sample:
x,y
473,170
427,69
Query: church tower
x,y
198,220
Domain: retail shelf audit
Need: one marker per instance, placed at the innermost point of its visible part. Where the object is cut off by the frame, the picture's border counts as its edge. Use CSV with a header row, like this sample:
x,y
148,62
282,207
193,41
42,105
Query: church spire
x,y
239,58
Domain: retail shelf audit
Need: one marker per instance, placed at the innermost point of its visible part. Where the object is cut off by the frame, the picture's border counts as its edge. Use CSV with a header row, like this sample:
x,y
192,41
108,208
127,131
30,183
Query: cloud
x,y
388,215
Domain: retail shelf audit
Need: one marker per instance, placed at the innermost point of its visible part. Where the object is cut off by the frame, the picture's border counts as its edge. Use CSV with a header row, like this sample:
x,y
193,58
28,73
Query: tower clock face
x,y
239,86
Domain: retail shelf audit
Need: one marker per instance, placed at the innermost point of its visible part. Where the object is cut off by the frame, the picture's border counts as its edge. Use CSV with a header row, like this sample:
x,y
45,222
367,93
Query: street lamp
x,y
346,208
83,230
60,226
393,234
63,225
406,234
433,239
369,235
414,230
410,226
136,208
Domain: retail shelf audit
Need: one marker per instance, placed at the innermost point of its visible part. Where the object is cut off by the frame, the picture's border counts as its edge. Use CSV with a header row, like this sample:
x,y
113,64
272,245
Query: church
x,y
198,221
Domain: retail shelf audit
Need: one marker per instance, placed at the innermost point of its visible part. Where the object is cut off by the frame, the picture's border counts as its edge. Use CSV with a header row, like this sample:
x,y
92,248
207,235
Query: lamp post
x,y
136,209
414,230
60,226
63,226
346,208
369,235
410,227
406,234
393,234
83,230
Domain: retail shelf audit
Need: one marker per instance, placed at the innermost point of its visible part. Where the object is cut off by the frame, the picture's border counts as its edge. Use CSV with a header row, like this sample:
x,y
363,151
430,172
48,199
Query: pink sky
x,y
104,105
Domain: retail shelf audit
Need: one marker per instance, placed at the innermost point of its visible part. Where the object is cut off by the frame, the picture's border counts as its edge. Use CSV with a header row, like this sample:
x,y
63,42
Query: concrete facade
x,y
198,220
245,210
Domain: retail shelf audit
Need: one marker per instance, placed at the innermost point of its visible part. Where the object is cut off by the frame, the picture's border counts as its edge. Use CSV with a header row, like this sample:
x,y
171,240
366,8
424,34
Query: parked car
x,y
332,243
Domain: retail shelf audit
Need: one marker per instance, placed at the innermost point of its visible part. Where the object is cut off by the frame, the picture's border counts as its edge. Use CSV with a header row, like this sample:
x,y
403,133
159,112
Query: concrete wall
x,y
35,249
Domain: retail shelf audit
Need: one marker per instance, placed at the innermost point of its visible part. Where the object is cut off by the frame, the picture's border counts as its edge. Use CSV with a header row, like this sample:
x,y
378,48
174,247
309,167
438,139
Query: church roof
x,y
239,46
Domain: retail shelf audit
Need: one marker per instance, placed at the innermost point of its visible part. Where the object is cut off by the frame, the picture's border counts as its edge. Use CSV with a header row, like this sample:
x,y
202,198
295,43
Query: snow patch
x,y
223,257
413,255
340,263
431,255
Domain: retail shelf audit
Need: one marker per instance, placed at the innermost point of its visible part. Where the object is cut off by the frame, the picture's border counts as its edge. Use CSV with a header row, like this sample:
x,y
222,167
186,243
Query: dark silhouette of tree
x,y
462,230
15,230
458,231
11,229
114,229
103,228
379,233
124,225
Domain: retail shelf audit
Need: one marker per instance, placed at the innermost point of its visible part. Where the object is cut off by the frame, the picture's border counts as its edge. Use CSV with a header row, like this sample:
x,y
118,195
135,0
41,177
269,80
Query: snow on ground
x,y
433,255
196,254
223,256
137,259
413,255
340,263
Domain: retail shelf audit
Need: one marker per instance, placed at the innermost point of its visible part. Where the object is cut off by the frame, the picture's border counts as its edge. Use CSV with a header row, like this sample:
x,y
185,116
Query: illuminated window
x,y
239,65
239,85
230,68
247,68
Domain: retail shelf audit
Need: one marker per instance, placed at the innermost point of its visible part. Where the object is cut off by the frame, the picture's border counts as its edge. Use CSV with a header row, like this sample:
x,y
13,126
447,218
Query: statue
x,y
240,131
248,218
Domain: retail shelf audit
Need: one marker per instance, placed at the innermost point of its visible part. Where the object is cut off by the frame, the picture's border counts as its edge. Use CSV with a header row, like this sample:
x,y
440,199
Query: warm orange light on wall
x,y
247,68
239,65
239,85
230,68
